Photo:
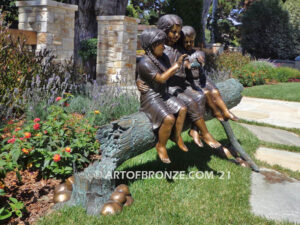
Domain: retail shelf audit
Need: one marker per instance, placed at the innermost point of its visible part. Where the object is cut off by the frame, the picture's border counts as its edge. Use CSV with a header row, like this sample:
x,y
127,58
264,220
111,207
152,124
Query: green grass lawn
x,y
282,91
182,201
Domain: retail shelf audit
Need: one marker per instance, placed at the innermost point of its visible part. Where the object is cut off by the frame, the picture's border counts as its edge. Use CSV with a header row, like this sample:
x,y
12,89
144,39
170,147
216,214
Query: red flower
x,y
10,122
57,99
66,104
37,120
27,135
17,129
11,141
45,132
36,126
56,158
25,151
68,149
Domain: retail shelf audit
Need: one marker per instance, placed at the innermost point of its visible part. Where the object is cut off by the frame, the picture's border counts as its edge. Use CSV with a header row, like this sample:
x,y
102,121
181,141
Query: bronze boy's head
x,y
188,37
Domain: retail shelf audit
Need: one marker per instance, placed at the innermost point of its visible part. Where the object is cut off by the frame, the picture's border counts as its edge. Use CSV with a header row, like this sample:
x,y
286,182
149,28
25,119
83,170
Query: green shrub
x,y
283,74
24,74
232,61
250,75
88,49
266,32
111,107
293,8
52,146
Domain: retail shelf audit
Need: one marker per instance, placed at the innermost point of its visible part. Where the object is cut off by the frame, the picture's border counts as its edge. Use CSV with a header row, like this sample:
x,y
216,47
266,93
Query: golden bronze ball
x,y
69,182
111,208
129,200
118,197
123,188
62,196
61,188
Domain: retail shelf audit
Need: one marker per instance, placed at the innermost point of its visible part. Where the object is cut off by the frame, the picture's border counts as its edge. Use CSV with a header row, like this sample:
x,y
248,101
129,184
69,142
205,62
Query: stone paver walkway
x,y
275,112
275,196
274,135
289,160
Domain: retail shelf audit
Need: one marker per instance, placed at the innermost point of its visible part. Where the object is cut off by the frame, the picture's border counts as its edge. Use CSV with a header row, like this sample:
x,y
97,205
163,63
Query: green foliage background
x,y
191,13
266,31
293,8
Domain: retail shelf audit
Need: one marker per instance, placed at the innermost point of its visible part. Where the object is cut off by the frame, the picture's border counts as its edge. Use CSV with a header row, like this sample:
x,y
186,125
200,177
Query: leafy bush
x,y
88,49
232,61
293,7
260,72
112,101
52,146
266,32
12,206
250,75
283,74
23,72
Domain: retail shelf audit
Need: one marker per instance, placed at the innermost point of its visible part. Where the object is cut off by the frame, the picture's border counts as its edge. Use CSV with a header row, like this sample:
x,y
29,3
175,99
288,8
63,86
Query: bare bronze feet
x,y
209,140
218,115
224,153
196,137
229,115
162,153
179,142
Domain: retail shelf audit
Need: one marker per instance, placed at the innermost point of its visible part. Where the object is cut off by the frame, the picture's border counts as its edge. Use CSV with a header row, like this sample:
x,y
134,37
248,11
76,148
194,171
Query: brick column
x,y
116,53
54,23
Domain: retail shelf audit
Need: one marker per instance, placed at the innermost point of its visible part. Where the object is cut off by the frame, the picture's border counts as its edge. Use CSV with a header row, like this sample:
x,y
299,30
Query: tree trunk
x,y
126,138
206,5
133,134
214,22
86,26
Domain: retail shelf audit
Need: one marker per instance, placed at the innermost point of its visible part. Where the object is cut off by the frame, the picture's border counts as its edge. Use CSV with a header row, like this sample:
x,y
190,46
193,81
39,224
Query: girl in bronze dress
x,y
198,79
155,69
178,85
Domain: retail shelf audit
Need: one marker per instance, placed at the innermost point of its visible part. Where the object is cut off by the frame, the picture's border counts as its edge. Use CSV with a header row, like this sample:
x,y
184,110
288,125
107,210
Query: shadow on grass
x,y
180,161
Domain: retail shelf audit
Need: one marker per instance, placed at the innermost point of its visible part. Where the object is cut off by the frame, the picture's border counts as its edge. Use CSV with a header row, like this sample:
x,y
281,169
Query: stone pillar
x,y
116,53
54,23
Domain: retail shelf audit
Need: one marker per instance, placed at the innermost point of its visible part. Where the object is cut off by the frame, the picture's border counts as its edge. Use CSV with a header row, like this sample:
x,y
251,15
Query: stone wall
x,y
116,53
54,23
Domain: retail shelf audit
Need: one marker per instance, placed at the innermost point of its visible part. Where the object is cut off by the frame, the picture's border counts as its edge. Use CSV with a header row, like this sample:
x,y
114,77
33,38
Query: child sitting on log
x,y
160,107
198,79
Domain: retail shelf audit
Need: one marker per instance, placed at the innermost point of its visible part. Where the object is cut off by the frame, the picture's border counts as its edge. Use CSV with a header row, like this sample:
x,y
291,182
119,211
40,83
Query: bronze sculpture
x,y
198,78
155,70
179,87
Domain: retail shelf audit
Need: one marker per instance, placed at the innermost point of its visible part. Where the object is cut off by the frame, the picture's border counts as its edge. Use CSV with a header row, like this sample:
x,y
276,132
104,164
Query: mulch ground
x,y
36,194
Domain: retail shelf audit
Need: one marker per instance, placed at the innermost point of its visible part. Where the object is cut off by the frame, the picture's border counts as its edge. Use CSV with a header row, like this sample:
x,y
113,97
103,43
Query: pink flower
x,y
57,99
36,126
21,138
37,120
45,132
11,141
